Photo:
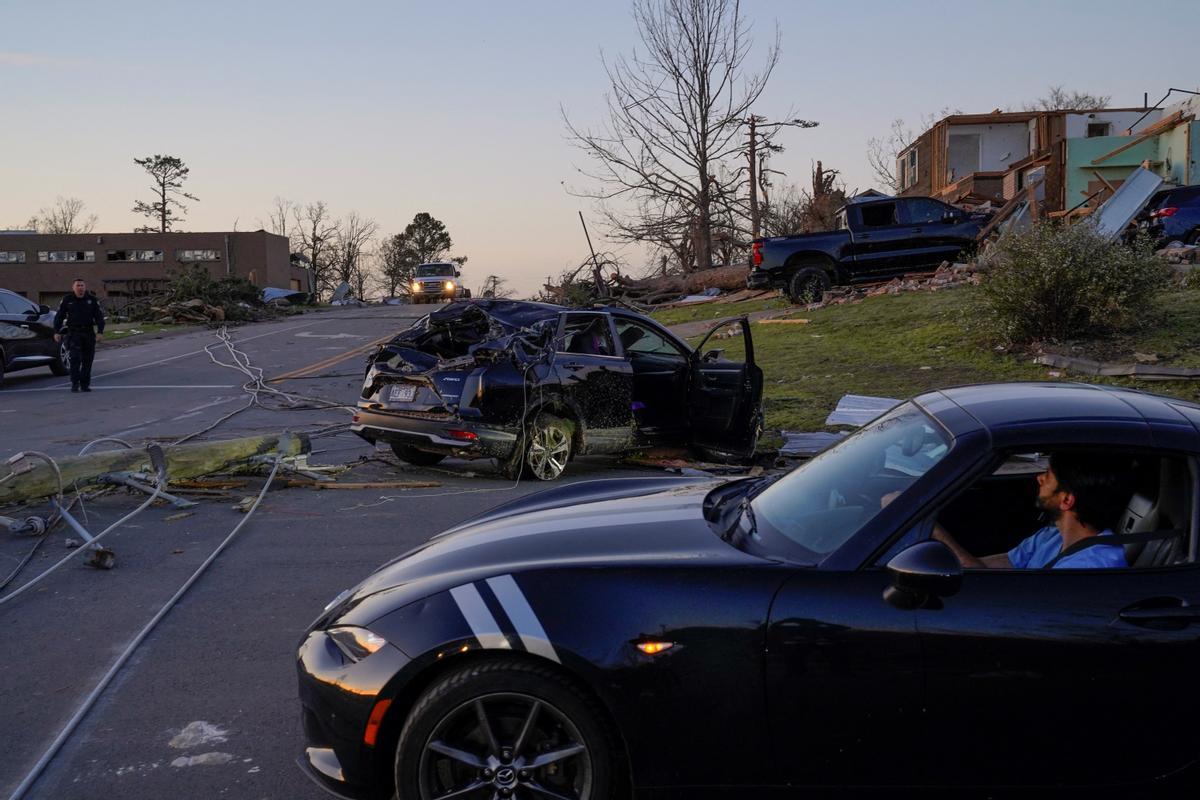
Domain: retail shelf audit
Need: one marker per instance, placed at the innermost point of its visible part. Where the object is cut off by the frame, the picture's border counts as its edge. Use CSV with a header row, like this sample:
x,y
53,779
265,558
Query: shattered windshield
x,y
435,271
816,508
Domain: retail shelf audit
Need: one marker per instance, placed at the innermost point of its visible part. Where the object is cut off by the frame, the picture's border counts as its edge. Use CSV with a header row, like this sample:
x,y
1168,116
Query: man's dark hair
x,y
78,280
1100,483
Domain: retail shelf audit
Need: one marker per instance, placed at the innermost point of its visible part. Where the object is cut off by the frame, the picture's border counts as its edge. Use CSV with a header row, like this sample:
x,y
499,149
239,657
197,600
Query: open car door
x,y
725,397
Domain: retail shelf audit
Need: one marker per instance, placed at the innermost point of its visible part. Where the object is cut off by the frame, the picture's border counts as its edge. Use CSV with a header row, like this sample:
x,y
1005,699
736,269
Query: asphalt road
x,y
207,706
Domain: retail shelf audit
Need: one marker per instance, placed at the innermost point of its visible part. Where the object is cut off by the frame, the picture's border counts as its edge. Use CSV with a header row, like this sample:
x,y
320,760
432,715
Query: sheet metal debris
x,y
1112,218
857,409
809,443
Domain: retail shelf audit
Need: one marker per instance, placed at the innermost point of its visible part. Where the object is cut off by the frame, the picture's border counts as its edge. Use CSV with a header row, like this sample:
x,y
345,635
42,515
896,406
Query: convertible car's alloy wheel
x,y
549,447
470,738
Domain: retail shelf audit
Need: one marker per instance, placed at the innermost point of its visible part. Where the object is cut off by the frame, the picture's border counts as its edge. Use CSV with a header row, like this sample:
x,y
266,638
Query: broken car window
x,y
587,334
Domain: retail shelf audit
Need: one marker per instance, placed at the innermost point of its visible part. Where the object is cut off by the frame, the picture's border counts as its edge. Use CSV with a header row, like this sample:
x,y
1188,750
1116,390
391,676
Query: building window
x,y
1099,129
67,255
197,255
135,255
12,256
907,164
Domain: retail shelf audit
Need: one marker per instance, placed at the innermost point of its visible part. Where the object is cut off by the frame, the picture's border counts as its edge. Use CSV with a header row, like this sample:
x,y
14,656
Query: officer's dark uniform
x,y
75,320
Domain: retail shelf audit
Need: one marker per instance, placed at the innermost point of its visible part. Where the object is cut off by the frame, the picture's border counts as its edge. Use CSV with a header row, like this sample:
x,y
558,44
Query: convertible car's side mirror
x,y
922,573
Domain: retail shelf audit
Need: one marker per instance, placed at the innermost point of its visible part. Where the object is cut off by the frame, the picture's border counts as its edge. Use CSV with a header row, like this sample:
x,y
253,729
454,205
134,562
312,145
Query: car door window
x,y
922,210
587,334
878,215
638,338
9,304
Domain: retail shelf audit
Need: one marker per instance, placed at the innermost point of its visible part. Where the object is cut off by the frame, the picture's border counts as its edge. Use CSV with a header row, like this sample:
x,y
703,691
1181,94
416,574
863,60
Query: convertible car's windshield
x,y
823,503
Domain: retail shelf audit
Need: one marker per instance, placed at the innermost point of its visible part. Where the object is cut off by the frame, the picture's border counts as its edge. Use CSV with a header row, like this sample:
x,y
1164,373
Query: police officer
x,y
77,314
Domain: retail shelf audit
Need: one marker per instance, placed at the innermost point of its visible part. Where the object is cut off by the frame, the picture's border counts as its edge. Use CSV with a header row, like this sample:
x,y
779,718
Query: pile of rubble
x,y
947,276
194,310
1180,253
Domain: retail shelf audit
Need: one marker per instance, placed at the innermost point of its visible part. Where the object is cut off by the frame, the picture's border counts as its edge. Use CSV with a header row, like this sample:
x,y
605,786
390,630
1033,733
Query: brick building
x,y
121,265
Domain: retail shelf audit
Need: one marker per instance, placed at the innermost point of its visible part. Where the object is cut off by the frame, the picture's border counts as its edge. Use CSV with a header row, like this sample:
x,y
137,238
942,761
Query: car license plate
x,y
403,393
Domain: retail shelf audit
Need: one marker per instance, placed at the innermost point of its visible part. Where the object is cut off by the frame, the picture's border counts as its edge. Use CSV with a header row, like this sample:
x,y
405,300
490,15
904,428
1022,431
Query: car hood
x,y
627,528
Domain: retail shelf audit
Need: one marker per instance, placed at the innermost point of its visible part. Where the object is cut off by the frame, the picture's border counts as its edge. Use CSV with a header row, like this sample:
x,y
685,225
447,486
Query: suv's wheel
x,y
808,285
412,455
504,729
549,447
62,365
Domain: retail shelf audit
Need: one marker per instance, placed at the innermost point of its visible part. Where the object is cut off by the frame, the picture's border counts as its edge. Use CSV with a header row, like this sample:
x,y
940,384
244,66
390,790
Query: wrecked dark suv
x,y
533,385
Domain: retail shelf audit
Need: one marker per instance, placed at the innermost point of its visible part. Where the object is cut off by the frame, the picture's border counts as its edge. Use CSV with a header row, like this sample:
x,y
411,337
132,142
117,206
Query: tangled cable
x,y
256,388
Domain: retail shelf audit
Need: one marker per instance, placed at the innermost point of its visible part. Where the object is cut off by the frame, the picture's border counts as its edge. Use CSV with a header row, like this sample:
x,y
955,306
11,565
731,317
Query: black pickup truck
x,y
877,238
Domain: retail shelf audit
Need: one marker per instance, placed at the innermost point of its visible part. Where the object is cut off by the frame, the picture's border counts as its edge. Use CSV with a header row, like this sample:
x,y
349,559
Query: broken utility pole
x,y
183,461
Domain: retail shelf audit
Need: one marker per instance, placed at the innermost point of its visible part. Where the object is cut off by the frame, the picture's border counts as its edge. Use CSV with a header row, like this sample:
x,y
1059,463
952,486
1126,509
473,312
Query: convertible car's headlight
x,y
356,643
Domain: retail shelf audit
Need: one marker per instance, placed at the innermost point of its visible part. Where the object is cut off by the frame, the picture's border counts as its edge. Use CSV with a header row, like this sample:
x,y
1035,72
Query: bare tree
x,y
352,243
882,153
282,213
316,239
674,112
65,216
495,287
168,174
1059,99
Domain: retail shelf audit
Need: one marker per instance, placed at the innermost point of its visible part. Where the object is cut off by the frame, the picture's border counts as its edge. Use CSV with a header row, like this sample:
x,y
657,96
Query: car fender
x,y
588,623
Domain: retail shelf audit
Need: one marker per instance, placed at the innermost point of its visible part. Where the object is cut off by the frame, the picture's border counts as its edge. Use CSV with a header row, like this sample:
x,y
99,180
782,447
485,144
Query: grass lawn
x,y
902,345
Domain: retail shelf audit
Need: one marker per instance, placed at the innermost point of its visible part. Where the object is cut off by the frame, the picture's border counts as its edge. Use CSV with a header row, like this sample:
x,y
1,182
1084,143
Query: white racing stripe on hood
x,y
513,601
482,623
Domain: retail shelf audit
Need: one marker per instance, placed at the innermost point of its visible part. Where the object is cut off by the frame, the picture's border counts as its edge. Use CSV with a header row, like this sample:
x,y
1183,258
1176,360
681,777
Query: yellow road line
x,y
329,362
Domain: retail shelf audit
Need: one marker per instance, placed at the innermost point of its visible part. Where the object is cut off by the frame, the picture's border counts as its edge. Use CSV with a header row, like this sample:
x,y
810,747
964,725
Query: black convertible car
x,y
533,385
646,636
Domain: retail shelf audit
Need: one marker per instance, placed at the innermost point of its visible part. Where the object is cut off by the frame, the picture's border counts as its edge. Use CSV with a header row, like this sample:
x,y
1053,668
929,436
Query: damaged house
x,y
1071,161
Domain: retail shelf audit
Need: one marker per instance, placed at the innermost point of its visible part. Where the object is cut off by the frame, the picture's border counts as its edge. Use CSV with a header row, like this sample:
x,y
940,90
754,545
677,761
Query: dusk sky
x,y
391,108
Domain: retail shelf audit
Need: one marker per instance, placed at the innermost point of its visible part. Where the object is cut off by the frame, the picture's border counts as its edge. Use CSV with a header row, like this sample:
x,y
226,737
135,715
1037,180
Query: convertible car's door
x,y
1041,677
725,398
844,683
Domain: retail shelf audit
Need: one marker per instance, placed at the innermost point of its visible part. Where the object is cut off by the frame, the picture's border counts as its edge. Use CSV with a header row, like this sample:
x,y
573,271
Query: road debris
x,y
203,760
198,733
179,516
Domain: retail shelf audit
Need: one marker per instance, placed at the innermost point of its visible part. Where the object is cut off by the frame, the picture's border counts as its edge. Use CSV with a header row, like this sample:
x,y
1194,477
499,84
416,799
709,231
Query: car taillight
x,y
1169,211
464,436
756,253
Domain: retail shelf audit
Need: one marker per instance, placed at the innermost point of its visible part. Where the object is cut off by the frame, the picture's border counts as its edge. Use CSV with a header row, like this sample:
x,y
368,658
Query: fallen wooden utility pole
x,y
297,482
183,461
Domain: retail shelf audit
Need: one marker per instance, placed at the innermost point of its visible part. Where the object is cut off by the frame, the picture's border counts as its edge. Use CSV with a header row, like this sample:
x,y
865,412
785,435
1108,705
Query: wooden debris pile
x,y
947,276
194,310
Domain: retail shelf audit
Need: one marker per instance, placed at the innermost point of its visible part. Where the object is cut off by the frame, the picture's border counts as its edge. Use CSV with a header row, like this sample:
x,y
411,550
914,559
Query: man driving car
x,y
1083,497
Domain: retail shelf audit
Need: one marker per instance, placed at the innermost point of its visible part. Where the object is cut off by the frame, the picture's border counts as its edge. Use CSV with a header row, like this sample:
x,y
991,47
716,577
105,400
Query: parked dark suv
x,y
27,337
1173,215
534,385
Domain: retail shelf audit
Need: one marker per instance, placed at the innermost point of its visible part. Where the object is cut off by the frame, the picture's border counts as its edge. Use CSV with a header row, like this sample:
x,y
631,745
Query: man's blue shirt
x,y
1044,546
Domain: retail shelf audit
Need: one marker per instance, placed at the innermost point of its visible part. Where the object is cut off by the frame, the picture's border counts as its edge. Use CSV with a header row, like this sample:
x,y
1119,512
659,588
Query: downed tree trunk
x,y
183,461
729,278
